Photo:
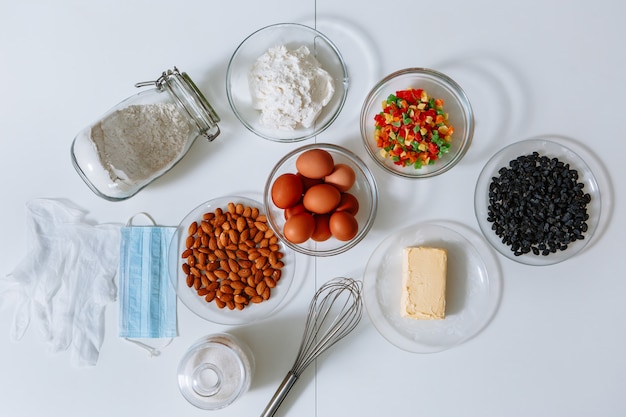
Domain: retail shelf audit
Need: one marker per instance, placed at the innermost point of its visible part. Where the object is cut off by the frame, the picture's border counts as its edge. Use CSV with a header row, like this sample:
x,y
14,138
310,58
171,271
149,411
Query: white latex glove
x,y
65,280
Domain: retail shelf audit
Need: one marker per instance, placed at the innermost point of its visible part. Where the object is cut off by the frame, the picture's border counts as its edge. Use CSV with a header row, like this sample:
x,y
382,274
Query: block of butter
x,y
424,272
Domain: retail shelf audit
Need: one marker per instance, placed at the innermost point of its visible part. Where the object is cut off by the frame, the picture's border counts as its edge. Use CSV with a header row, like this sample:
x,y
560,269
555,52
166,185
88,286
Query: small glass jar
x,y
143,137
215,371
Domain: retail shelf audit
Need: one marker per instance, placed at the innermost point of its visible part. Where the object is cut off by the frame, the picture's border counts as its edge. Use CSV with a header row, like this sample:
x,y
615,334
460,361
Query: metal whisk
x,y
335,310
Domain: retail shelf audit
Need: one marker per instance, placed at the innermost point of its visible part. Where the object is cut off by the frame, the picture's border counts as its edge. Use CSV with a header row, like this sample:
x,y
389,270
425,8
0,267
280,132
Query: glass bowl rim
x,y
442,78
580,163
372,192
315,131
174,271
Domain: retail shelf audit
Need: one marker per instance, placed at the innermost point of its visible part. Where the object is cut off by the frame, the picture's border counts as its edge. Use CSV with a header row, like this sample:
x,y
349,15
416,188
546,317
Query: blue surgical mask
x,y
147,299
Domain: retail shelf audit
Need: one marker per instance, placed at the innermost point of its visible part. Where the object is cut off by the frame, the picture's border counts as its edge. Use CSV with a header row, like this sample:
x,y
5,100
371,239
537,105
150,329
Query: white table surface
x,y
555,347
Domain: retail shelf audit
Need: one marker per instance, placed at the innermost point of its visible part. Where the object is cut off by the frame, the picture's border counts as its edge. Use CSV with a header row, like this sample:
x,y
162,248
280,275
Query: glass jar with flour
x,y
144,136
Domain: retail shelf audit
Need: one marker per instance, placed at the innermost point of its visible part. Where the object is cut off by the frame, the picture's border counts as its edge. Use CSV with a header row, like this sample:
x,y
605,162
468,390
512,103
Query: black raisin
x,y
536,205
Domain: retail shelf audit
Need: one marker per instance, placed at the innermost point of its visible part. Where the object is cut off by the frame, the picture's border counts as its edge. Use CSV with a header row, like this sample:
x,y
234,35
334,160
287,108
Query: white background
x,y
556,346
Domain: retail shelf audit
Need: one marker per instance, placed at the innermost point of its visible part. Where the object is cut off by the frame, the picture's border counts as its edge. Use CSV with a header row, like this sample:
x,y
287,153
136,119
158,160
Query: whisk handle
x,y
281,393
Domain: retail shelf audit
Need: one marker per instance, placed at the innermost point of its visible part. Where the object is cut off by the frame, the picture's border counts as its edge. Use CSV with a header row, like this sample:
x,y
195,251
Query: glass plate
x,y
472,294
210,311
545,148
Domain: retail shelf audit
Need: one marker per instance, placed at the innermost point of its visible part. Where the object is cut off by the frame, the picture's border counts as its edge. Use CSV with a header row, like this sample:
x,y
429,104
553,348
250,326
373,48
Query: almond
x,y
232,257
270,282
266,293
260,288
238,285
206,227
221,274
193,228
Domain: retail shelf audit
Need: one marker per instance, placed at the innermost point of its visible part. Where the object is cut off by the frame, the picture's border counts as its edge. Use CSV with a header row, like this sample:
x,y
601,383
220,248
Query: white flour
x,y
137,142
289,87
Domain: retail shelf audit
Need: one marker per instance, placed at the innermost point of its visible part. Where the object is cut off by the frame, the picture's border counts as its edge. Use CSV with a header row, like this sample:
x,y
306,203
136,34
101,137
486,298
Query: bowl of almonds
x,y
226,263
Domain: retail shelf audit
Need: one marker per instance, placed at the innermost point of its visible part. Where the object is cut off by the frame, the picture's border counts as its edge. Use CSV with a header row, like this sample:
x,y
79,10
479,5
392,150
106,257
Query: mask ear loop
x,y
152,350
142,213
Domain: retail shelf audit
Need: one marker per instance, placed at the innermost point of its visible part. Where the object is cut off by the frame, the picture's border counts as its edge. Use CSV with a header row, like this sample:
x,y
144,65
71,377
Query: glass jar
x,y
143,137
215,371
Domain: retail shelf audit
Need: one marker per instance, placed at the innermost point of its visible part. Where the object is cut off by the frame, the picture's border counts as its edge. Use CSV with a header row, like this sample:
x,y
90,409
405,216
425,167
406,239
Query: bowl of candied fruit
x,y
417,123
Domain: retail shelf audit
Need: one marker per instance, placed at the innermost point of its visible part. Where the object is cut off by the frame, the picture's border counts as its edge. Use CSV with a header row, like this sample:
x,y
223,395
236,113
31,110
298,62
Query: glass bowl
x,y
438,86
364,189
472,295
292,36
195,301
544,147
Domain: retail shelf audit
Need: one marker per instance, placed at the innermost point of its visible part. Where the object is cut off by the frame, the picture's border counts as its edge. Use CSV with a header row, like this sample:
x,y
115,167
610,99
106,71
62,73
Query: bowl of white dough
x,y
286,82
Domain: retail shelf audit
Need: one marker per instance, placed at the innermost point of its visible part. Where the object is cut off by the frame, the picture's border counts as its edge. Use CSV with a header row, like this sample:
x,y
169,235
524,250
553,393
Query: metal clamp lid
x,y
190,98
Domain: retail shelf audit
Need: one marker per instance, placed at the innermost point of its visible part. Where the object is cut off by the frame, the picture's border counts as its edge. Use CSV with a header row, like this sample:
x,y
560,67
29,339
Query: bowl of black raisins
x,y
537,202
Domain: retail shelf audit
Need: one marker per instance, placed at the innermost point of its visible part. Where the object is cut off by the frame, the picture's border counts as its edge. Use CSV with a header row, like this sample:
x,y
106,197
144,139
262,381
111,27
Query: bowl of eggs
x,y
417,123
320,199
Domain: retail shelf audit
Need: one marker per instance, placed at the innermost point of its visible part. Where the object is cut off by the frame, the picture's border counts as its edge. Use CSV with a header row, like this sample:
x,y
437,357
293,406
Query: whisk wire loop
x,y
335,310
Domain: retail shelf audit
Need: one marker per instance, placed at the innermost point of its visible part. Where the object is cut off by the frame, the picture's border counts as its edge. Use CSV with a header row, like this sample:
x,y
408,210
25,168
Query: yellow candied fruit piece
x,y
422,147
421,106
383,153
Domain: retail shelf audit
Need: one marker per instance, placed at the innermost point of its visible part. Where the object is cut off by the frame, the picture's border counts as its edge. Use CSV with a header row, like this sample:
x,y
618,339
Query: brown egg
x,y
309,182
342,177
343,225
290,211
348,203
315,163
322,228
321,198
286,190
299,227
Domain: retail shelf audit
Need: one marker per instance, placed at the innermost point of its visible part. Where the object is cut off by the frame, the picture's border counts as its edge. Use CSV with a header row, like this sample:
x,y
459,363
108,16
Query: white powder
x,y
137,142
289,87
